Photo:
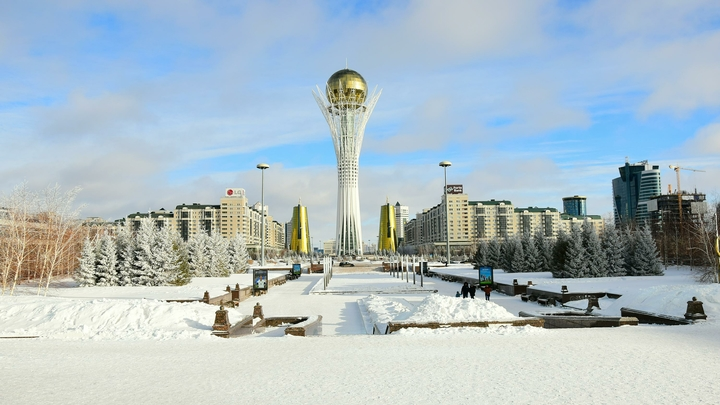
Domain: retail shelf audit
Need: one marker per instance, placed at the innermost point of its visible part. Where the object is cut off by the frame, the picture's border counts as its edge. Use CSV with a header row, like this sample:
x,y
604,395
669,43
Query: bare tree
x,y
40,235
19,206
703,236
60,230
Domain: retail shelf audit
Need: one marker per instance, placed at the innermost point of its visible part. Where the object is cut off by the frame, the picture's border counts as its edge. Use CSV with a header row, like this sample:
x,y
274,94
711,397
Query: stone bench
x,y
545,301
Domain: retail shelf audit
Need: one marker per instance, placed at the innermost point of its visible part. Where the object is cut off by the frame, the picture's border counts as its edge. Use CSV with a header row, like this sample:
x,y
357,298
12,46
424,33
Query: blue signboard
x,y
485,275
296,269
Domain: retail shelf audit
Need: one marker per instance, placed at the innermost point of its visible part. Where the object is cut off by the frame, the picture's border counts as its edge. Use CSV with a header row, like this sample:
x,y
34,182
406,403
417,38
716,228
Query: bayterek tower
x,y
347,107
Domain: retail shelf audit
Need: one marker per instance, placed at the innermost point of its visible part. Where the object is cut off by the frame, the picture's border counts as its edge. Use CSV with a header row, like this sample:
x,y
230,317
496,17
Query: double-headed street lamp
x,y
262,167
444,164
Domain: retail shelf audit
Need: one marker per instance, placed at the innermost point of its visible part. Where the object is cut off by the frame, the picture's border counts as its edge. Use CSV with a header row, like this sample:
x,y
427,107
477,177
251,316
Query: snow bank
x,y
383,310
666,299
501,330
434,308
105,319
440,308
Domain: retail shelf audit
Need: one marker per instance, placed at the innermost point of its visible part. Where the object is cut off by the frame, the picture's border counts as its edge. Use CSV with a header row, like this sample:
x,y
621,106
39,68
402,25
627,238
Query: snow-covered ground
x,y
122,345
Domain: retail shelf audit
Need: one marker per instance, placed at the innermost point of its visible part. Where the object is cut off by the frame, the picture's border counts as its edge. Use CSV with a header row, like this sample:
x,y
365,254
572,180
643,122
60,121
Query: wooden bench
x,y
525,297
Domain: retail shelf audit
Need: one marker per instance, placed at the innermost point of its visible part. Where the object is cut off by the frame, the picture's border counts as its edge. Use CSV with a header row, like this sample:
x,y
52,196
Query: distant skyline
x,y
153,104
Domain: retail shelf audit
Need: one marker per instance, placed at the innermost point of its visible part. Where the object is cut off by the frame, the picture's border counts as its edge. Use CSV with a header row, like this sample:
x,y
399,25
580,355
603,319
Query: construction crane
x,y
679,192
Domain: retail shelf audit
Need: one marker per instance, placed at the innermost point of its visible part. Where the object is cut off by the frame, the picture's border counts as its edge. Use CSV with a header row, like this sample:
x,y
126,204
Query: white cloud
x,y
706,140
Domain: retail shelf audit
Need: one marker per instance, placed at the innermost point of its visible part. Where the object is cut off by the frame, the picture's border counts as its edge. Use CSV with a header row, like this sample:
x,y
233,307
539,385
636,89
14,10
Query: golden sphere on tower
x,y
346,86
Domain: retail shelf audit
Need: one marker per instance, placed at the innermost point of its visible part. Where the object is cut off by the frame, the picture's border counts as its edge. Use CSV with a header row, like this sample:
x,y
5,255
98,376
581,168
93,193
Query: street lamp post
x,y
444,164
262,167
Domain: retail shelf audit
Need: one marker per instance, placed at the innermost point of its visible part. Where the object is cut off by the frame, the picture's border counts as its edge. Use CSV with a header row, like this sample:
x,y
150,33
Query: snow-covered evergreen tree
x,y
644,258
143,271
481,255
559,254
575,260
181,253
106,271
594,253
506,254
544,247
125,247
85,273
532,256
517,255
218,258
198,258
494,254
614,249
239,256
165,261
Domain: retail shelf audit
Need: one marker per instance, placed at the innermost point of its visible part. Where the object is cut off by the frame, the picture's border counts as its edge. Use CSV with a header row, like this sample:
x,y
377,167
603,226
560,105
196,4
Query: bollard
x,y
206,297
221,327
258,311
592,302
695,310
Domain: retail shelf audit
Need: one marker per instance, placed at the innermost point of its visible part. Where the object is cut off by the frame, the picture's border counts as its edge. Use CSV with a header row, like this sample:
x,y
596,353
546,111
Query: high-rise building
x,y
402,214
632,191
193,218
387,236
575,205
347,108
300,238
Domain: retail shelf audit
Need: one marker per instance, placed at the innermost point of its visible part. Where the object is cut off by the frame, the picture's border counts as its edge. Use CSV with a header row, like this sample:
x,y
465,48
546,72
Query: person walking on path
x,y
472,291
465,290
487,290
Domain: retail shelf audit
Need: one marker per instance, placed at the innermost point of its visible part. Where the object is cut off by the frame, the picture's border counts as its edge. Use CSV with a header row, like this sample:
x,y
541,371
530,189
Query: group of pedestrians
x,y
471,289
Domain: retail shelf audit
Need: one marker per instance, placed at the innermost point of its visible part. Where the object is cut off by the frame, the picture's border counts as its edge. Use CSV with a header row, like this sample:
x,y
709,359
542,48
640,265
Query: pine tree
x,y
594,254
481,255
575,259
219,260
517,255
559,254
125,248
644,259
143,271
239,256
494,254
614,248
106,272
532,255
164,259
85,273
506,255
181,253
544,247
198,263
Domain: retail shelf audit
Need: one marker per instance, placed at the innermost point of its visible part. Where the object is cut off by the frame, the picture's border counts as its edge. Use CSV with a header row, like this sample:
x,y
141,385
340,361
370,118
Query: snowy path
x,y
341,316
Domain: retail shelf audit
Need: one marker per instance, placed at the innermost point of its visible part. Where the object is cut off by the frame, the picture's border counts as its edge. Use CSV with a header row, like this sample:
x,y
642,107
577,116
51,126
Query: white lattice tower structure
x,y
347,108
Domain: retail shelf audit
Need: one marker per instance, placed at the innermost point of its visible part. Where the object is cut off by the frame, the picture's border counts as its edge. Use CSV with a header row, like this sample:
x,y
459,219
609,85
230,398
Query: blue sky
x,y
153,104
